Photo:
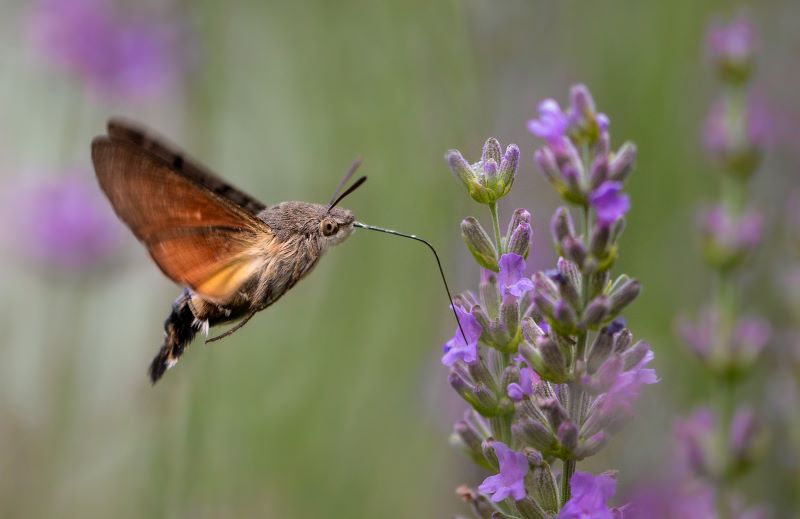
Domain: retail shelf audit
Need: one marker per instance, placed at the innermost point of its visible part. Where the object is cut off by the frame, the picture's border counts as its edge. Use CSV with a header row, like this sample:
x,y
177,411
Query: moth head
x,y
335,225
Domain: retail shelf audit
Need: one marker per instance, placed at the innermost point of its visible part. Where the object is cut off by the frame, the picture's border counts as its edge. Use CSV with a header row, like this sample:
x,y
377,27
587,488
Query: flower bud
x,y
509,315
484,400
564,318
517,217
591,446
461,386
546,161
545,488
623,162
480,373
487,448
528,509
490,293
595,312
743,435
491,151
601,349
508,168
634,355
470,439
568,436
479,243
600,240
574,250
568,291
622,340
731,49
530,330
481,506
624,295
599,172
546,359
554,411
520,240
529,431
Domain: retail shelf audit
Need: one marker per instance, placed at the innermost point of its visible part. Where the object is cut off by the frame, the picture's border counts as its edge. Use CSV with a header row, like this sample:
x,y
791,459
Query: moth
x,y
234,255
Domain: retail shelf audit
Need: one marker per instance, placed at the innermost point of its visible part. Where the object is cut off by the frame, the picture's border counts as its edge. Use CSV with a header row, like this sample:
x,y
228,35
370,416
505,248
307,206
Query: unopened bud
x,y
600,240
520,240
490,293
624,295
574,250
595,312
623,162
561,225
601,349
535,434
568,436
599,172
479,243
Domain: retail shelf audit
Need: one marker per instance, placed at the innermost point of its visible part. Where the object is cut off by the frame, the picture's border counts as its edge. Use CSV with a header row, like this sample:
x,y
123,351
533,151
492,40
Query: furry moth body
x,y
234,255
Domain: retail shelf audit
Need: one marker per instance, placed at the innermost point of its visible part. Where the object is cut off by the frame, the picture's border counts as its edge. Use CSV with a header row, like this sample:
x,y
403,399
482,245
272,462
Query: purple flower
x,y
528,379
751,335
625,389
673,500
699,336
458,348
744,429
589,497
111,54
728,238
552,123
694,435
610,202
66,223
734,139
511,479
512,278
731,47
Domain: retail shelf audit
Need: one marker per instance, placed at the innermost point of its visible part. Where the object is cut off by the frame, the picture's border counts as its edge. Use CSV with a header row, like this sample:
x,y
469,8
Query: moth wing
x,y
183,165
197,237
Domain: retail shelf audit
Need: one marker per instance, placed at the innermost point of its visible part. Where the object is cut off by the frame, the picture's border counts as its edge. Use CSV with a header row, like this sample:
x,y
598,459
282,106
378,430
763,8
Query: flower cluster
x,y
546,362
112,54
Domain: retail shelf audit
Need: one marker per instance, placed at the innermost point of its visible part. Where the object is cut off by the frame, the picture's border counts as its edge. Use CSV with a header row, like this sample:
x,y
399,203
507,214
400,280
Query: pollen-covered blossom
x,y
459,347
511,479
590,495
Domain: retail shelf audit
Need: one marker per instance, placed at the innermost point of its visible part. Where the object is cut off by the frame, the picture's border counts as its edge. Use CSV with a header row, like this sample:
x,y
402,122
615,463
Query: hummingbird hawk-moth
x,y
233,255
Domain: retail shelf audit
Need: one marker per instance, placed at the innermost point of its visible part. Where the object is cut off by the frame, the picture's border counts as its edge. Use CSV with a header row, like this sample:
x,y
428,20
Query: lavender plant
x,y
546,363
720,442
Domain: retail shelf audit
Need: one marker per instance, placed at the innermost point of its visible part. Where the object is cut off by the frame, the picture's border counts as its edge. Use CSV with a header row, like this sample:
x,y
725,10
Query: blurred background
x,y
333,403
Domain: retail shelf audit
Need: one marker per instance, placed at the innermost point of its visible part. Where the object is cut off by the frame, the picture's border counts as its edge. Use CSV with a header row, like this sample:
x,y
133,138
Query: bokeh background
x,y
333,403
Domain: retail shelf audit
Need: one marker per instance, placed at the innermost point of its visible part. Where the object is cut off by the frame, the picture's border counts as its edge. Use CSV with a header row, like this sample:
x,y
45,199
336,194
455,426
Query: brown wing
x,y
171,155
197,237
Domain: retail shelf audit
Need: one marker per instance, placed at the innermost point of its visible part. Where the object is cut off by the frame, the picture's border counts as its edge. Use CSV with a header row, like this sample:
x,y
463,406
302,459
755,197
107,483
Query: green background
x,y
333,403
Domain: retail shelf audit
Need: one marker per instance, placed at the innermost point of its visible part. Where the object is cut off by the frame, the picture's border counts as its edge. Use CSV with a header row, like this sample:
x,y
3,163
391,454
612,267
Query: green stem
x,y
496,226
566,477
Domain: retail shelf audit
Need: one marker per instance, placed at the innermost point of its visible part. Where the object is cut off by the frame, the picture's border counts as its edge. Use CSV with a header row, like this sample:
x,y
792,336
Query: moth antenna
x,y
232,330
355,185
345,179
438,263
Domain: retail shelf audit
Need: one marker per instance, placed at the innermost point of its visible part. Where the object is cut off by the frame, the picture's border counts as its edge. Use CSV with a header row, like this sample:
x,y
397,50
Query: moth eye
x,y
329,227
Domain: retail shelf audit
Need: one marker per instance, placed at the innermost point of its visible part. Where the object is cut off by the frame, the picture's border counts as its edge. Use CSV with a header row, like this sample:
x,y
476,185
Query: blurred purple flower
x,y
112,54
726,137
65,222
750,337
512,278
552,123
610,202
699,336
728,238
694,435
744,429
589,497
625,390
677,499
511,479
731,47
459,349
528,380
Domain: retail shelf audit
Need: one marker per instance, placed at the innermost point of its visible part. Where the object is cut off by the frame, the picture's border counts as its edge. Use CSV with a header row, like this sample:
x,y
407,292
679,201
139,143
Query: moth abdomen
x,y
179,331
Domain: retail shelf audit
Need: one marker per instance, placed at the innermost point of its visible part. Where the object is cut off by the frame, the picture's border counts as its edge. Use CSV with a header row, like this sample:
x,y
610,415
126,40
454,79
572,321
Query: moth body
x,y
234,255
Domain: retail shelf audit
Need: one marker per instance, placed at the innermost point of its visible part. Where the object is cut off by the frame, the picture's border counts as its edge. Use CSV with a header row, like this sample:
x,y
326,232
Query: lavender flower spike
x,y
511,479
